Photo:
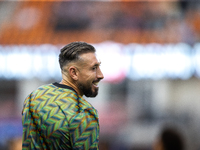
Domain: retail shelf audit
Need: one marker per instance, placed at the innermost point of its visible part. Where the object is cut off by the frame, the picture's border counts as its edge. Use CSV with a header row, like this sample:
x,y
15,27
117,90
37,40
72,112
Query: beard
x,y
87,90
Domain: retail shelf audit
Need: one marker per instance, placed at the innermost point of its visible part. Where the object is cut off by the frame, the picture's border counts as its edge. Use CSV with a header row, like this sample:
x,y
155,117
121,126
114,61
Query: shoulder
x,y
45,96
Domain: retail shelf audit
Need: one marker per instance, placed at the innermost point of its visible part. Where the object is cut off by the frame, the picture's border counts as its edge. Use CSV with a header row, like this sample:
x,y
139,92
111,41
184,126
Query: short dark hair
x,y
171,139
72,51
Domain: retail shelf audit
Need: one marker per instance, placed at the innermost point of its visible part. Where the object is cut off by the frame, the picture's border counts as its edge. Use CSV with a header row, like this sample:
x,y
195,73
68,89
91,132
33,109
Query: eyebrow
x,y
97,64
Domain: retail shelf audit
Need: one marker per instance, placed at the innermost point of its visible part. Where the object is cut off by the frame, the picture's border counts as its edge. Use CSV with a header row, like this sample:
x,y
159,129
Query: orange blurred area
x,y
34,22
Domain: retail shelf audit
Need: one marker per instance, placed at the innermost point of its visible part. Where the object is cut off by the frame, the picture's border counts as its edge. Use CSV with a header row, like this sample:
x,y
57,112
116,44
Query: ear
x,y
73,72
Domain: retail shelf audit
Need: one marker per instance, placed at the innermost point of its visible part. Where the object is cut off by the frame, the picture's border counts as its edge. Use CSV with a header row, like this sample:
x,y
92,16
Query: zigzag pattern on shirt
x,y
84,132
55,112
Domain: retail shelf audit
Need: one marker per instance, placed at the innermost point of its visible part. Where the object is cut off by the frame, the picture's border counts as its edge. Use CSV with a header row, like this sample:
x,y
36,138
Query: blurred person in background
x,y
15,144
169,139
56,116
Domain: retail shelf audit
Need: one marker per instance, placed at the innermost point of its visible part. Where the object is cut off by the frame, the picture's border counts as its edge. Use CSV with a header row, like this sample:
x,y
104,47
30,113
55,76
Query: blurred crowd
x,y
96,21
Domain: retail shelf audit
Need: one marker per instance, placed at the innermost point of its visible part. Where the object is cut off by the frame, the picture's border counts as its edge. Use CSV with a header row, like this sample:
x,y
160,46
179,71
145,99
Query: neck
x,y
74,86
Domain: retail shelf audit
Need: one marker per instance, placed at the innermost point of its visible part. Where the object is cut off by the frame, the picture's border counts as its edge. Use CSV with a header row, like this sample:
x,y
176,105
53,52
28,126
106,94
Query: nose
x,y
99,74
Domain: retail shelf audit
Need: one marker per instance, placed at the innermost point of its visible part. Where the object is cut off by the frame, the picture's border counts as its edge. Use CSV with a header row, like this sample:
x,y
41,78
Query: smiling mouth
x,y
95,83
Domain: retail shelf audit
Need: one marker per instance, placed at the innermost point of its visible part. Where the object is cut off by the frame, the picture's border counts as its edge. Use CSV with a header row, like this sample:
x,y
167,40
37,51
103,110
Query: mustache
x,y
98,80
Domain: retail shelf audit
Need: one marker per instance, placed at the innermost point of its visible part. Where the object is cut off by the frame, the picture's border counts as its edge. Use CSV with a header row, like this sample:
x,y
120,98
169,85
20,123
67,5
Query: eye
x,y
94,68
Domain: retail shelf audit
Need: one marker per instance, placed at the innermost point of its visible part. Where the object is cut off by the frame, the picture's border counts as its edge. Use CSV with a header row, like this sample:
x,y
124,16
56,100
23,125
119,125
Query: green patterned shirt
x,y
54,117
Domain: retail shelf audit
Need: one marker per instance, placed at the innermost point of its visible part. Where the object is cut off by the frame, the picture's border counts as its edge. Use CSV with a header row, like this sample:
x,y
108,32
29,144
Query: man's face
x,y
89,75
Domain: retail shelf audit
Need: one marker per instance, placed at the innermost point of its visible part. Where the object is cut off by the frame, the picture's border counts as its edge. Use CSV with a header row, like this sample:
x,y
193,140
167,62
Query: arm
x,y
31,138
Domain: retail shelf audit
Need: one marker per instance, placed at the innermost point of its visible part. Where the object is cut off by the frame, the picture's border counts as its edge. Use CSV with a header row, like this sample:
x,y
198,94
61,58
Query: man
x,y
56,116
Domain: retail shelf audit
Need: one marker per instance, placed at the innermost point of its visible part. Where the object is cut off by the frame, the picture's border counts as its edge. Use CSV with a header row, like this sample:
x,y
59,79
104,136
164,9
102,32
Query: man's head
x,y
170,139
80,66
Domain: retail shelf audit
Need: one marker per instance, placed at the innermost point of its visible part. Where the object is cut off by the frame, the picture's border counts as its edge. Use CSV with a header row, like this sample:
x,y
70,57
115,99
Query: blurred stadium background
x,y
150,55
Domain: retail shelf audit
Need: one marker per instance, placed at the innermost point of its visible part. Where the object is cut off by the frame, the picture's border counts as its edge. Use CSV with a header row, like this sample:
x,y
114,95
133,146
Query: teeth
x,y
96,83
